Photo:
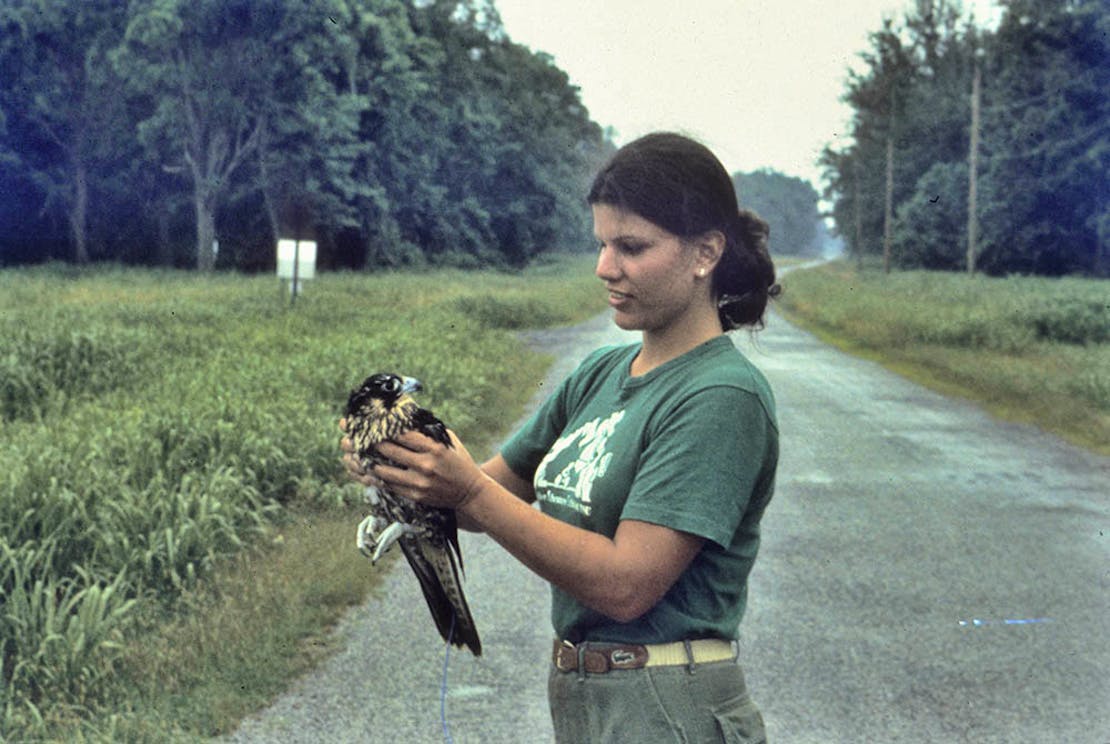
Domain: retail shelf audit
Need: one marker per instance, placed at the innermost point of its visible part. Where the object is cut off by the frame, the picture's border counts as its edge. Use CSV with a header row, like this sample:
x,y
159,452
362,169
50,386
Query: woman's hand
x,y
353,463
429,472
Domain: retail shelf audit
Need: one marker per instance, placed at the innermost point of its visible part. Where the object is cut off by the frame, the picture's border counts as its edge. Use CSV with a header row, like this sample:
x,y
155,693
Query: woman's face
x,y
652,275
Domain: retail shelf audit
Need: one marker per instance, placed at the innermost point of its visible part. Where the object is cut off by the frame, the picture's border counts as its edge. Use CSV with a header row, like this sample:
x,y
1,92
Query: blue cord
x,y
443,685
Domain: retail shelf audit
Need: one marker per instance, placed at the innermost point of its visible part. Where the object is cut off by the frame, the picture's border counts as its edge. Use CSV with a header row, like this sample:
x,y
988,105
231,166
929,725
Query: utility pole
x,y
888,210
973,166
857,210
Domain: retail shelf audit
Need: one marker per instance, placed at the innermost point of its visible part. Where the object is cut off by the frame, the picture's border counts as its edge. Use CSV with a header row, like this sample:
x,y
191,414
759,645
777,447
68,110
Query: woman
x,y
652,464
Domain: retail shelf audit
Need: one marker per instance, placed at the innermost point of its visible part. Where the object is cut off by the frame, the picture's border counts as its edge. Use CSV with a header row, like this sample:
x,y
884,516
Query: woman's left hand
x,y
430,473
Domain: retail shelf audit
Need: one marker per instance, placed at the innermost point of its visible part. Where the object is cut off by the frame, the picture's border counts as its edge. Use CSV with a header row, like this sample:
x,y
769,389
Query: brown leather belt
x,y
599,658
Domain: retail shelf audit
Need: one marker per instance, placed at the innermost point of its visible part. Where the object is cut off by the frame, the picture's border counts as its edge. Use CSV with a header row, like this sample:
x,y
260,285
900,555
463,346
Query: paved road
x,y
928,574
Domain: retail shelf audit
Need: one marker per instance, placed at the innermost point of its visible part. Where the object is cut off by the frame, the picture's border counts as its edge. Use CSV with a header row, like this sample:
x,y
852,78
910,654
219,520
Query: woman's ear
x,y
710,247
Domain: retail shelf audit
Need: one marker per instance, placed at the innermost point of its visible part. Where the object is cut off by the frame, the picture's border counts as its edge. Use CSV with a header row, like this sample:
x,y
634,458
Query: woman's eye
x,y
631,249
627,249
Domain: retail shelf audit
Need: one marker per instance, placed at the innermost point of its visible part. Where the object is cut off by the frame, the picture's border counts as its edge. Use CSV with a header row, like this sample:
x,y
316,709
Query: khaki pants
x,y
655,704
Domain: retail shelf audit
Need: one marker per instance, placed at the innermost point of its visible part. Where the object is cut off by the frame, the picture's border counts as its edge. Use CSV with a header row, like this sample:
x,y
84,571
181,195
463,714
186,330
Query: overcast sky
x,y
759,82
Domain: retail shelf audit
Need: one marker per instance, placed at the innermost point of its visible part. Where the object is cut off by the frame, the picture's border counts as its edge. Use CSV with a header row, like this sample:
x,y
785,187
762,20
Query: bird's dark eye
x,y
392,385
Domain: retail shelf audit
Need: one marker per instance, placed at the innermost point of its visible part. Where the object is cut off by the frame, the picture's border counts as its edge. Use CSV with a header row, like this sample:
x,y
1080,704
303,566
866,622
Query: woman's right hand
x,y
353,463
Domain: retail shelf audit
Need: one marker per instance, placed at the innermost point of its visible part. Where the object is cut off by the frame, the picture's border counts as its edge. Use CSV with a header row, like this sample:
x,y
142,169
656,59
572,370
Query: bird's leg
x,y
368,533
372,496
376,535
370,529
390,535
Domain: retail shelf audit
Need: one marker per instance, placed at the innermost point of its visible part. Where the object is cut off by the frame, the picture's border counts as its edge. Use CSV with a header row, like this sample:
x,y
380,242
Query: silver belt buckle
x,y
559,663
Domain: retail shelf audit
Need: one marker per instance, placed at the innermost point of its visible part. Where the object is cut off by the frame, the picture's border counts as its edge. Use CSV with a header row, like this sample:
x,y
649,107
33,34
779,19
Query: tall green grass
x,y
155,424
1032,348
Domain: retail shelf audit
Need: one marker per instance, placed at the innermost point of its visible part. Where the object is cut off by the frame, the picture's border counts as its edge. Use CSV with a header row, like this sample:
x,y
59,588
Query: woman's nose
x,y
607,268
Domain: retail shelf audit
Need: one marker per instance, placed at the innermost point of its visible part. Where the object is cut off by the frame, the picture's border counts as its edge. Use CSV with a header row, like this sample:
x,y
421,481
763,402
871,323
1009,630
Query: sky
x,y
758,81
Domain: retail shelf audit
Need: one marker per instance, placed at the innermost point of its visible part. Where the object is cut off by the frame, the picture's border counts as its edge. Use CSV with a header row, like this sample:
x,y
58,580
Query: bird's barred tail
x,y
436,568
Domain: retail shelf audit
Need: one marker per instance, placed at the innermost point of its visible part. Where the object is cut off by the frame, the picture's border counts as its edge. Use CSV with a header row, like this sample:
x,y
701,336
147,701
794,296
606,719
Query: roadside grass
x,y
242,637
1028,349
783,262
177,533
234,641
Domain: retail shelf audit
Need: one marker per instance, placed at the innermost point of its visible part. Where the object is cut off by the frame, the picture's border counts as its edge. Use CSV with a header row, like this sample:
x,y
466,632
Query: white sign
x,y
302,252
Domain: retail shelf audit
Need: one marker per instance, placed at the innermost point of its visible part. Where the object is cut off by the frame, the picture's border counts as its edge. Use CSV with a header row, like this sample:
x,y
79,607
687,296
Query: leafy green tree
x,y
910,102
931,229
878,95
551,149
58,102
788,204
505,145
217,75
364,79
1043,191
1047,139
930,225
394,131
446,213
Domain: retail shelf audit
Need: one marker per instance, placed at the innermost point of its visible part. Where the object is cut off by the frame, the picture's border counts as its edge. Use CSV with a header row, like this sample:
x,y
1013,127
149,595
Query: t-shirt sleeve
x,y
702,464
526,448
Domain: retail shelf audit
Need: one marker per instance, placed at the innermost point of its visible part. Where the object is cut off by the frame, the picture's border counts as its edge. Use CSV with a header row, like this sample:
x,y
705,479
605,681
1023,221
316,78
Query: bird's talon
x,y
390,535
364,535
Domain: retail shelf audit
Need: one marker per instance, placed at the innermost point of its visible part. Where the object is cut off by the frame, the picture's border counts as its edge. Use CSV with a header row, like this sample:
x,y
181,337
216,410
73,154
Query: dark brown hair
x,y
678,184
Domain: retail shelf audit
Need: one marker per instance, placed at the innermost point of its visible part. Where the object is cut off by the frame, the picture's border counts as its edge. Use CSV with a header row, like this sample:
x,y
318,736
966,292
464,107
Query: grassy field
x,y
1029,349
177,533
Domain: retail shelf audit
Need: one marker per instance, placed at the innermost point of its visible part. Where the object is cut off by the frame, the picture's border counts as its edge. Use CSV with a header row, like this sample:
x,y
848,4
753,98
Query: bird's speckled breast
x,y
369,427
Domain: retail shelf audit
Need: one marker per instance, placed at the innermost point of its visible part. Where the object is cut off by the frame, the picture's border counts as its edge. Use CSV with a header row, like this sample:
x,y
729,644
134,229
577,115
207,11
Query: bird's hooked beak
x,y
410,385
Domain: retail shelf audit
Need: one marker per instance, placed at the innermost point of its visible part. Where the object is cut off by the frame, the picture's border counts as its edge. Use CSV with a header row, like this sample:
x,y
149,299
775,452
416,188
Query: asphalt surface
x,y
928,574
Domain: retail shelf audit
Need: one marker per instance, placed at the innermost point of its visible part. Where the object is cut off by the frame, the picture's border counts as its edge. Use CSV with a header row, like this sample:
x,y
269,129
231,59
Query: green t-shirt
x,y
691,445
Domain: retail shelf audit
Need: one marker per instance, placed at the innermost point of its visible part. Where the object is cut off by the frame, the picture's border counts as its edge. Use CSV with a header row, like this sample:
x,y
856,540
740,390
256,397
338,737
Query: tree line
x,y
393,132
789,205
1038,143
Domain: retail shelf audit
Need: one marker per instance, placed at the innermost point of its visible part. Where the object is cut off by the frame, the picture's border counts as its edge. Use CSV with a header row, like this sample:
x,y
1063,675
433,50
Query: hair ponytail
x,y
744,280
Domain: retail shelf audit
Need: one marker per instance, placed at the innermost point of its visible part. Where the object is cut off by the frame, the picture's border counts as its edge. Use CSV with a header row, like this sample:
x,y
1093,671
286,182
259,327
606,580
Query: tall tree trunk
x,y
79,214
164,256
266,185
212,158
204,205
271,209
1100,267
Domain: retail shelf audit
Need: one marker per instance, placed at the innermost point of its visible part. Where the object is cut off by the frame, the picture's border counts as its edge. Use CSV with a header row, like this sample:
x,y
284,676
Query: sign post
x,y
296,261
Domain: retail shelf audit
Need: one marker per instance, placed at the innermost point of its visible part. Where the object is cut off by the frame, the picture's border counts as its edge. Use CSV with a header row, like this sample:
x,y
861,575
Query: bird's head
x,y
381,393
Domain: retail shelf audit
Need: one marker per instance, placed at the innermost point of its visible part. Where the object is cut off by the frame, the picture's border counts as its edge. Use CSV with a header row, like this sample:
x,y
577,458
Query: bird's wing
x,y
438,565
435,568
429,425
426,423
